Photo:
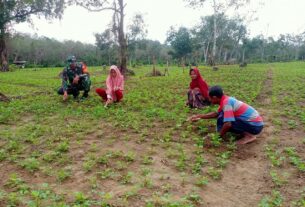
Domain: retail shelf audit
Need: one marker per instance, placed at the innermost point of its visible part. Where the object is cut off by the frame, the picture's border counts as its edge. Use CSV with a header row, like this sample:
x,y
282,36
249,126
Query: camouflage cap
x,y
71,58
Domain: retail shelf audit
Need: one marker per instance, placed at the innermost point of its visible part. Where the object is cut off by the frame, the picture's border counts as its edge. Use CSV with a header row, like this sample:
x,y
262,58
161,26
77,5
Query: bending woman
x,y
115,87
198,93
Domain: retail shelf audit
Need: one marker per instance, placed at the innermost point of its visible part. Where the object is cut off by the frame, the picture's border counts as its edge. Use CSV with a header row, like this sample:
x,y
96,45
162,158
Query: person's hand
x,y
65,97
193,118
109,101
76,79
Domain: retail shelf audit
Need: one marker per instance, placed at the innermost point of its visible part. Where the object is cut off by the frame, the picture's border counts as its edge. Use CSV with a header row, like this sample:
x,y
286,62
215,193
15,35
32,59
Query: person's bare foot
x,y
246,139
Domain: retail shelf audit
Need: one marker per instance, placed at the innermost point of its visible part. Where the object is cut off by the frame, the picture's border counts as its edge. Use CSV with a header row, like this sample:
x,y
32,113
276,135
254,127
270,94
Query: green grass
x,y
134,152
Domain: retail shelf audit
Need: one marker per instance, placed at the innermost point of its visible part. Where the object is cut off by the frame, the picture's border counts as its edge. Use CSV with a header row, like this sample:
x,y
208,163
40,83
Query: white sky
x,y
274,17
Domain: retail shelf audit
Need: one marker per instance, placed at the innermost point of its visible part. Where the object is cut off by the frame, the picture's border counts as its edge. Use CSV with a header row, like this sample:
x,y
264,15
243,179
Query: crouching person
x,y
75,78
233,116
115,87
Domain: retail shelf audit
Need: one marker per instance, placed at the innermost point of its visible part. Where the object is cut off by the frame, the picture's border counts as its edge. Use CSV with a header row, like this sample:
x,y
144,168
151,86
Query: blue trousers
x,y
239,126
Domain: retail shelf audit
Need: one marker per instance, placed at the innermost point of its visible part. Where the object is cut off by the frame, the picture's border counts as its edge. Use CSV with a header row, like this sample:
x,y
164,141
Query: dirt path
x,y
246,179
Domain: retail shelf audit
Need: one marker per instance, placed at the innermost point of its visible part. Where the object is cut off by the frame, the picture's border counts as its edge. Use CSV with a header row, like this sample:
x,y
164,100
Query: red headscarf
x,y
200,83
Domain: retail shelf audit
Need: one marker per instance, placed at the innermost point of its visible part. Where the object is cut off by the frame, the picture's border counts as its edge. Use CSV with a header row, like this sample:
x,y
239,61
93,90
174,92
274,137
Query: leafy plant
x,y
214,173
63,174
215,139
31,164
276,200
127,178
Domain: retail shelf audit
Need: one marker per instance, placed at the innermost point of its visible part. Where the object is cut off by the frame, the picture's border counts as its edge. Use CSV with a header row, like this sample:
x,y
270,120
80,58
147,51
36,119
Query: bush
x,y
130,72
157,73
13,68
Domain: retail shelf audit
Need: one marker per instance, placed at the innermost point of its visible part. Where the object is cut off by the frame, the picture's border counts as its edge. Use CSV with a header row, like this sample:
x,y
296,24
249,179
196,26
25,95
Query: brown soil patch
x,y
246,178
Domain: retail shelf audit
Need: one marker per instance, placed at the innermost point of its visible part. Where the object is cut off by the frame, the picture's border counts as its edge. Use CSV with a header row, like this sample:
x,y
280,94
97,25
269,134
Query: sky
x,y
274,17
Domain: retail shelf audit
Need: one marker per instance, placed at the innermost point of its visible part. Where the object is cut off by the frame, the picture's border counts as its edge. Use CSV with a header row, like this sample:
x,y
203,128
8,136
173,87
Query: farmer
x,y
75,78
234,116
115,87
197,96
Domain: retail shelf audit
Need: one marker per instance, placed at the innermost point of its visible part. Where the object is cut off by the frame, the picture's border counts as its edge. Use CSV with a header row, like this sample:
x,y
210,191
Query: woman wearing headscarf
x,y
115,86
198,94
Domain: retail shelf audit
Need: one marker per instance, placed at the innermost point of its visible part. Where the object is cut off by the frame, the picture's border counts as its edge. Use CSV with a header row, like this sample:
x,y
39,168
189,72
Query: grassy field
x,y
142,152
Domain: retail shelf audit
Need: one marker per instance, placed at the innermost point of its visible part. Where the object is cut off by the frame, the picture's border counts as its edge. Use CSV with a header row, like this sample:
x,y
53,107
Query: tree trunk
x,y
122,39
215,34
183,63
4,67
154,65
206,53
219,53
296,56
109,59
225,56
243,55
262,54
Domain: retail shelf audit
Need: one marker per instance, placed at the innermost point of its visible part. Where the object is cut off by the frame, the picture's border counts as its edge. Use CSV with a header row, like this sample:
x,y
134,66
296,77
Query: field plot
x,y
142,152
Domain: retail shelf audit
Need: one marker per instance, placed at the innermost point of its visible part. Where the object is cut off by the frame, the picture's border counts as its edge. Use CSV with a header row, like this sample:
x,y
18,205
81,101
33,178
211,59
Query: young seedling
x,y
127,178
146,171
276,200
63,174
120,165
2,155
202,181
214,173
274,156
30,164
88,165
147,182
107,173
147,160
130,156
81,199
277,179
215,139
295,159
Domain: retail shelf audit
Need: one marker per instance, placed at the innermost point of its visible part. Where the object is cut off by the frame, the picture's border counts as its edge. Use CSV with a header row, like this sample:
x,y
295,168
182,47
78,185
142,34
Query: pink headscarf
x,y
116,83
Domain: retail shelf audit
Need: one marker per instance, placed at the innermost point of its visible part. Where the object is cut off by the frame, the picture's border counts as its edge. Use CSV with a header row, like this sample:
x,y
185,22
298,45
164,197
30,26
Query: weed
x,y
277,179
130,156
88,165
295,159
202,181
147,160
63,174
215,139
274,156
127,178
30,164
107,173
214,173
276,200
63,146
2,155
81,199
146,171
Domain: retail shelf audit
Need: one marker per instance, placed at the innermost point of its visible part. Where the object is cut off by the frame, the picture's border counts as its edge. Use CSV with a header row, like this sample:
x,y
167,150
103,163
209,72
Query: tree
x,y
219,7
44,52
106,42
118,7
136,33
16,11
181,42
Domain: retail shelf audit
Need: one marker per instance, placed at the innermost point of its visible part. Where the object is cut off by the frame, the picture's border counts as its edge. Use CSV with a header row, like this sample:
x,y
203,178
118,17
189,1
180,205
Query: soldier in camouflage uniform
x,y
75,78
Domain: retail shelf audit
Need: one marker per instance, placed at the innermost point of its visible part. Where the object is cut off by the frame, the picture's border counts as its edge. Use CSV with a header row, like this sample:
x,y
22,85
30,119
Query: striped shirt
x,y
234,109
